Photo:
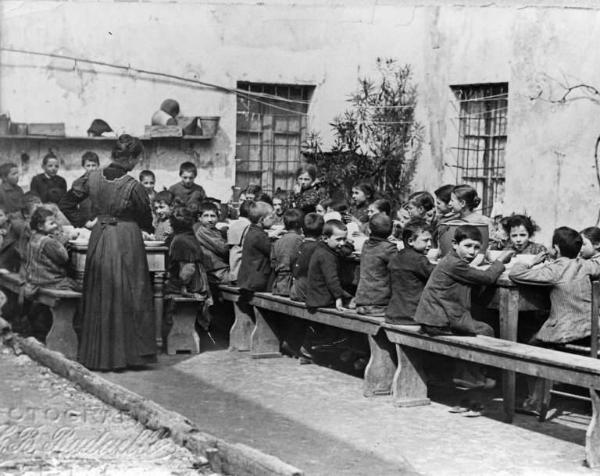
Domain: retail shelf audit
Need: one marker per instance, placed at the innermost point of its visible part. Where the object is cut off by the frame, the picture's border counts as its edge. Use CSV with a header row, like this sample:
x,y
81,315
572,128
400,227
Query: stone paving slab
x,y
316,419
49,426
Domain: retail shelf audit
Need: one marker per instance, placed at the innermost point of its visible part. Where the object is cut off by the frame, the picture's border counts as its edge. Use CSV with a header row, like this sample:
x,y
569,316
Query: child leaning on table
x,y
324,287
409,271
312,228
570,297
520,230
285,250
445,305
373,292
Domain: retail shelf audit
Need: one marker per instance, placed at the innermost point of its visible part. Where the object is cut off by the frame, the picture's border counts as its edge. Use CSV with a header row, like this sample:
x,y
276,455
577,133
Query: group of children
x,y
271,245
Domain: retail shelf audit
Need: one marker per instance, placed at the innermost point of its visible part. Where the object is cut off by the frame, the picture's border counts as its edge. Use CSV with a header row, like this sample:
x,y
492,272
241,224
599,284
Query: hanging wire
x,y
130,69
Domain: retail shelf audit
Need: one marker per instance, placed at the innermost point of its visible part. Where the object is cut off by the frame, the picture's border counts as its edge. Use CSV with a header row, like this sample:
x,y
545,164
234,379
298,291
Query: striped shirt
x,y
570,296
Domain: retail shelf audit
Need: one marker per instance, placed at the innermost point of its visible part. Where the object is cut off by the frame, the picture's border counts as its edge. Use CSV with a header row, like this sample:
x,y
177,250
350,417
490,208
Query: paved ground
x,y
48,426
316,419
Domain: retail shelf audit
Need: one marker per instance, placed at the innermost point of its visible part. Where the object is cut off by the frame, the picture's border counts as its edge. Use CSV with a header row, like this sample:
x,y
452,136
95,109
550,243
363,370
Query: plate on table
x,y
154,243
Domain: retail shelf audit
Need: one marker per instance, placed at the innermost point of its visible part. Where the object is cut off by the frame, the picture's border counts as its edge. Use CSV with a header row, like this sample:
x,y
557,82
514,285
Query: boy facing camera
x,y
445,305
409,271
324,287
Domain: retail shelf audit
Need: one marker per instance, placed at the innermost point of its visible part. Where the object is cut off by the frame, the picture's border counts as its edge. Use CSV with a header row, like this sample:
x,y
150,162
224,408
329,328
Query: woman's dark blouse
x,y
138,209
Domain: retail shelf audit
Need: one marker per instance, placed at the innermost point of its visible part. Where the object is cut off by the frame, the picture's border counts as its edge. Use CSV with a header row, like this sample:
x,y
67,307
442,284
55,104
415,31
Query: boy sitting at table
x,y
373,292
255,267
409,271
570,299
163,208
324,287
11,195
285,250
214,246
445,305
186,275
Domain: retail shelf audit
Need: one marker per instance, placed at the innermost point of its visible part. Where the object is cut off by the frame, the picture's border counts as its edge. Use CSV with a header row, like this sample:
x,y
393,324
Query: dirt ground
x,y
49,426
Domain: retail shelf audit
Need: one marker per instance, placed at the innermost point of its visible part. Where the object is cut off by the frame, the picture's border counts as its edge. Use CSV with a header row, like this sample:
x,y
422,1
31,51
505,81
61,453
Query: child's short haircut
x,y
313,225
147,173
444,193
90,156
380,225
292,219
259,210
336,204
592,233
164,196
253,189
30,201
207,206
413,228
383,205
6,168
513,221
423,200
245,208
332,225
569,242
367,188
182,219
39,216
188,167
47,157
263,197
467,232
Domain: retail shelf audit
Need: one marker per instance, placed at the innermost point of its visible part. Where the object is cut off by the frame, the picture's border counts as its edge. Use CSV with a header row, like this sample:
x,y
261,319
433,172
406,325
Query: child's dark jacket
x,y
374,283
323,278
409,271
300,265
446,299
255,269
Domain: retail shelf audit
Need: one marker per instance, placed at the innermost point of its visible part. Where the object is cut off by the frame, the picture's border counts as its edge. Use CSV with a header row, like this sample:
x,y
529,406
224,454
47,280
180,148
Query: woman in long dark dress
x,y
118,315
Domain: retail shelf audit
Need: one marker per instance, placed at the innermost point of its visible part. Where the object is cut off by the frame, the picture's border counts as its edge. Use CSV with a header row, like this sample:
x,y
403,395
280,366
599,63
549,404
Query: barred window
x,y
482,139
269,134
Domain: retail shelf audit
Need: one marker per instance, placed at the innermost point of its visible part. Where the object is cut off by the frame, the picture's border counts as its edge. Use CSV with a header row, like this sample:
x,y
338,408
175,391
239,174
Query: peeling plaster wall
x,y
549,160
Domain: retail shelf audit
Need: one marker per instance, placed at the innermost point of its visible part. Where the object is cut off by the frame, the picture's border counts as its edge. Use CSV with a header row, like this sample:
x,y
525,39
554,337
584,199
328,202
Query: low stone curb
x,y
228,458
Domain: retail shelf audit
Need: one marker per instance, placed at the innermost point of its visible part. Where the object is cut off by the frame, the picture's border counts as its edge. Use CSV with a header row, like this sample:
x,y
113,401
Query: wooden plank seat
x,y
182,335
410,387
255,323
63,305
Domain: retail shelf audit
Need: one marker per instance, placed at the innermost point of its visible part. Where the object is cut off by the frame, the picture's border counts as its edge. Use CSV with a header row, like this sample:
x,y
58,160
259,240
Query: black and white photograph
x,y
299,238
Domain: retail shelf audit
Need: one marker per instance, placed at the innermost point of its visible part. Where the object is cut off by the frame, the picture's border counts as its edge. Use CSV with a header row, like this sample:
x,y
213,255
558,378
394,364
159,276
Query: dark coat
x,y
12,197
49,189
446,299
300,264
255,269
323,278
374,283
409,271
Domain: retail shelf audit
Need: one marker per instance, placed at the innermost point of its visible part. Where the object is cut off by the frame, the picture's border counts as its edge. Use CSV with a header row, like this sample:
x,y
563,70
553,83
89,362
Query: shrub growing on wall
x,y
377,138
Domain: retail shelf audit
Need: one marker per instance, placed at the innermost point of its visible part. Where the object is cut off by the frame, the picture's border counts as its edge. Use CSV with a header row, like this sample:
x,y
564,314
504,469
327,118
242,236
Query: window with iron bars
x,y
269,134
482,140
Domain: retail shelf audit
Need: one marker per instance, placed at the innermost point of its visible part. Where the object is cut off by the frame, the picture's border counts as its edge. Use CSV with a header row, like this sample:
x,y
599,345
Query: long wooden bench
x,y
256,321
410,385
63,305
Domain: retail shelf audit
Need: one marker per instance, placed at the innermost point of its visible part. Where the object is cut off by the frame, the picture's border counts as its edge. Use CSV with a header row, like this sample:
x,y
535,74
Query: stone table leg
x,y
509,320
158,281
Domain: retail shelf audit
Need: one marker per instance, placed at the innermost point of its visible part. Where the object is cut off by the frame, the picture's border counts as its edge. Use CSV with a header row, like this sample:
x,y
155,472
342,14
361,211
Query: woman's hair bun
x,y
127,147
